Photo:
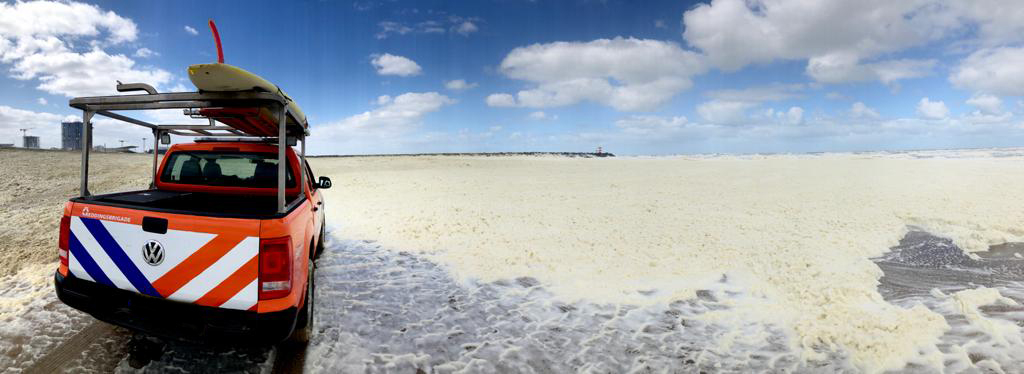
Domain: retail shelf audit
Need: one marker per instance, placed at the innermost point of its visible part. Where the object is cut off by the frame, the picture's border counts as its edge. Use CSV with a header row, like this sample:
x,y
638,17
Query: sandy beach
x,y
791,236
785,262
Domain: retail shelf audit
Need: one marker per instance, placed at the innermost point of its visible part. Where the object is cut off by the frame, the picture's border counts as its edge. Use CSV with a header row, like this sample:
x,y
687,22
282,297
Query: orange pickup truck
x,y
220,248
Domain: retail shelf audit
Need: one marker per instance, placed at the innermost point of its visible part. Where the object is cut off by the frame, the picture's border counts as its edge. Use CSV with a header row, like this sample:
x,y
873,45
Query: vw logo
x,y
153,253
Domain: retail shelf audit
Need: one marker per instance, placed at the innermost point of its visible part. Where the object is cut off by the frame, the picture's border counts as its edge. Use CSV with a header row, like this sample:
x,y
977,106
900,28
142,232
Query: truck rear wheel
x,y
320,243
304,321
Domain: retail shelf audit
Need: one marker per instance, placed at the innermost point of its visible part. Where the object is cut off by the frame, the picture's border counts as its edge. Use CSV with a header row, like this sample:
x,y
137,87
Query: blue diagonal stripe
x,y
120,259
83,258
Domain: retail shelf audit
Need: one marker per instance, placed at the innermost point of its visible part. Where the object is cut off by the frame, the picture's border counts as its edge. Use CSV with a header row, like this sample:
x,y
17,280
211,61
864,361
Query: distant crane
x,y
24,132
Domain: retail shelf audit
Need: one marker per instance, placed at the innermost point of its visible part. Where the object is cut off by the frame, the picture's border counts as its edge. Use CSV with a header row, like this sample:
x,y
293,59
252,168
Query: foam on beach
x,y
795,233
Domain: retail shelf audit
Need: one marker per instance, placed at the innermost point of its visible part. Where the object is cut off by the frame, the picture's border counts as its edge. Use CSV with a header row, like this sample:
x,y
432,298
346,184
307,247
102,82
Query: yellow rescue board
x,y
223,77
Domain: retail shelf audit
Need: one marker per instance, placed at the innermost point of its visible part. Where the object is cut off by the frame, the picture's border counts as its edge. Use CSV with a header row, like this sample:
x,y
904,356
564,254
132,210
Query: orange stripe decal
x,y
232,285
196,263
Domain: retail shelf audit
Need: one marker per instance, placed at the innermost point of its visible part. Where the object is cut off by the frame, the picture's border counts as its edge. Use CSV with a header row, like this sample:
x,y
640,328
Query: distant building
x,y
71,135
6,145
31,142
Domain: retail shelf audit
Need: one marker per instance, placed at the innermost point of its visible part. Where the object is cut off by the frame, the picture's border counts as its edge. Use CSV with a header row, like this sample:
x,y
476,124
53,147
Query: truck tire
x,y
320,243
304,321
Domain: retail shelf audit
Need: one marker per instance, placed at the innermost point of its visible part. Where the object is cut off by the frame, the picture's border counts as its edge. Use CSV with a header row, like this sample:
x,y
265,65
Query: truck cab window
x,y
253,170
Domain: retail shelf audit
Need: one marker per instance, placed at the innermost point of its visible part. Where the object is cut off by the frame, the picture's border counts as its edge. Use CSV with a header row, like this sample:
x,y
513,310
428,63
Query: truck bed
x,y
207,204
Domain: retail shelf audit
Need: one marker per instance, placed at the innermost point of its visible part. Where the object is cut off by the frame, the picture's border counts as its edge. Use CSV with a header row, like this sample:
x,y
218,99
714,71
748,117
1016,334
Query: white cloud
x,y
995,21
648,125
839,68
540,116
735,33
145,53
41,101
770,116
389,27
774,92
987,104
624,73
928,109
191,31
849,41
27,23
660,23
859,110
978,117
997,71
795,115
501,100
393,116
835,96
989,110
725,112
83,74
466,28
452,23
388,64
459,85
39,39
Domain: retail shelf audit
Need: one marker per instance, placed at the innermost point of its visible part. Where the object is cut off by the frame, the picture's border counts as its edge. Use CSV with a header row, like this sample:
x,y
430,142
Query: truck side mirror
x,y
165,138
324,183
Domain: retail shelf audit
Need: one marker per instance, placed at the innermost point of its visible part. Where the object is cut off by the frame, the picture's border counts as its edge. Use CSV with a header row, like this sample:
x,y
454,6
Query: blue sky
x,y
651,77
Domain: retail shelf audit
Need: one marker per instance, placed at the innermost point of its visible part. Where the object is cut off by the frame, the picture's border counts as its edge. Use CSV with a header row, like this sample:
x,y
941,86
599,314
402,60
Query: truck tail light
x,y
275,267
62,243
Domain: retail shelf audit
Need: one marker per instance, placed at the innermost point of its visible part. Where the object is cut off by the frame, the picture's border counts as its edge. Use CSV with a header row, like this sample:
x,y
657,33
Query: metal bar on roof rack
x,y
282,160
86,147
193,127
156,154
144,106
302,170
178,96
127,87
231,138
189,132
204,132
125,118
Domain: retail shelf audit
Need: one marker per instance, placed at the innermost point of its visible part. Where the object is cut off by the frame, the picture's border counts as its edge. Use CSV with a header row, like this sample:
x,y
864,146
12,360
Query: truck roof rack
x,y
271,107
247,139
191,103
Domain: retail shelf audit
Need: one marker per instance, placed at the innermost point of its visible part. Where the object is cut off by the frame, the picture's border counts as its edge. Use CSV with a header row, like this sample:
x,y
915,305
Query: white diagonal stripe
x,y
244,299
76,269
94,249
220,270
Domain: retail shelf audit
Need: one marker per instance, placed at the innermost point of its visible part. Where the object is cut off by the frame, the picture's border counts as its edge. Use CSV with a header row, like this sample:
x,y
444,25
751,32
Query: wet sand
x,y
789,238
556,265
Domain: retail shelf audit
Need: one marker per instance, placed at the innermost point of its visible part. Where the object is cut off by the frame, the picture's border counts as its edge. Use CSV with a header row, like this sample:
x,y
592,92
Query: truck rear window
x,y
224,169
